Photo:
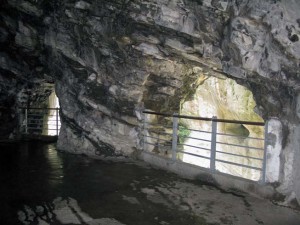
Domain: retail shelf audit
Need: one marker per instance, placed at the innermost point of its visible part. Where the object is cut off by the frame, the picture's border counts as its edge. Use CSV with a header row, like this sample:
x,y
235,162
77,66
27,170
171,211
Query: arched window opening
x,y
225,99
53,118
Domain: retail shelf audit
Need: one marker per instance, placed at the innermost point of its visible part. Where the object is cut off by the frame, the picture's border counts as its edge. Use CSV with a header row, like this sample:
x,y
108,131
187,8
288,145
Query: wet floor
x,y
40,185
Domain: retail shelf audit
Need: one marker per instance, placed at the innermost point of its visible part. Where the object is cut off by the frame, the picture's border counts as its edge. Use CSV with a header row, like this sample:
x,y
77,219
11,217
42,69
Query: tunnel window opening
x,y
43,118
53,123
225,99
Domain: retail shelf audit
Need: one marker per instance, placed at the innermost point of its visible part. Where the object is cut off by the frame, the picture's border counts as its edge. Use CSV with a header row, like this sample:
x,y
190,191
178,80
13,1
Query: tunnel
x,y
137,80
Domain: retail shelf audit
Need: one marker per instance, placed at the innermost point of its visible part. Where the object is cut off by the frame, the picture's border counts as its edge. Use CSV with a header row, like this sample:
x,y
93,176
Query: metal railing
x,y
225,152
40,121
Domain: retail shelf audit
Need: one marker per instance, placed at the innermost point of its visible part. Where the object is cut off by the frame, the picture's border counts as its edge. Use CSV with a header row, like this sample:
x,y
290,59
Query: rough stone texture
x,y
274,147
110,59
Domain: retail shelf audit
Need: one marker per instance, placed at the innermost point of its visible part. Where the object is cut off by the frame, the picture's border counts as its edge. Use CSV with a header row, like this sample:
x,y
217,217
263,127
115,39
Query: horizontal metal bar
x,y
39,108
41,127
194,155
240,146
40,114
243,156
200,139
179,116
201,131
160,133
207,119
231,135
150,143
154,124
40,111
36,119
35,123
193,117
156,138
158,114
193,146
237,164
240,122
40,120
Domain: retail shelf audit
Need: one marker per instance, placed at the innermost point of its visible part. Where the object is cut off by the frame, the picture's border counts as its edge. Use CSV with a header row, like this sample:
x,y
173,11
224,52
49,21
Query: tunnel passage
x,y
238,148
110,59
225,99
42,119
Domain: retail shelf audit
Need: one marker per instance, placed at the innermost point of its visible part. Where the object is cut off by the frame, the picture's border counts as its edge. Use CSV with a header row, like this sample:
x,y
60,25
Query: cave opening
x,y
41,116
53,118
242,148
109,61
226,99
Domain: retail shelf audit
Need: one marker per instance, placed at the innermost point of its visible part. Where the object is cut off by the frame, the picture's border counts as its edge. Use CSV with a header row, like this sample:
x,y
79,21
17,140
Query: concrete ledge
x,y
224,181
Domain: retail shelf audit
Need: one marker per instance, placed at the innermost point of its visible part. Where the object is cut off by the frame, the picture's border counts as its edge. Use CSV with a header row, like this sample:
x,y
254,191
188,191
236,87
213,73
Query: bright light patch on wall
x,y
53,120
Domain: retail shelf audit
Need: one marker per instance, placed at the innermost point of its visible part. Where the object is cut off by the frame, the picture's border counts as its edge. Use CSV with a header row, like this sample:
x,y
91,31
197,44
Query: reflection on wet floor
x,y
60,211
40,185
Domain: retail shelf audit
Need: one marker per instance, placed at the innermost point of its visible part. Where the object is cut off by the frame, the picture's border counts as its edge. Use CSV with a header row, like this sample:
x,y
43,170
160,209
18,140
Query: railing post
x,y
20,113
213,143
264,166
174,138
144,130
45,127
57,113
26,121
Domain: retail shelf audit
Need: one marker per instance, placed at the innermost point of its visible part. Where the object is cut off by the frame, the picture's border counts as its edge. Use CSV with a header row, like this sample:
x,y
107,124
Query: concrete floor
x,y
58,188
193,202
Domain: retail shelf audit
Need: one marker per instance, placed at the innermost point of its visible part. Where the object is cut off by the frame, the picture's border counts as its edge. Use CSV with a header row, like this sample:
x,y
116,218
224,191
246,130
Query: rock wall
x,y
110,59
118,57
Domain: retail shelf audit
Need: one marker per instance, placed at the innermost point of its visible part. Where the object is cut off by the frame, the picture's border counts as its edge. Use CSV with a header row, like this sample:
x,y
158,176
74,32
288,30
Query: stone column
x,y
274,149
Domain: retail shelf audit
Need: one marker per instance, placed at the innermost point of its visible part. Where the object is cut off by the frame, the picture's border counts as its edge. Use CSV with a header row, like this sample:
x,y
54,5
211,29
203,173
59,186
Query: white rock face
x,y
274,149
225,99
296,166
264,51
298,106
290,185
